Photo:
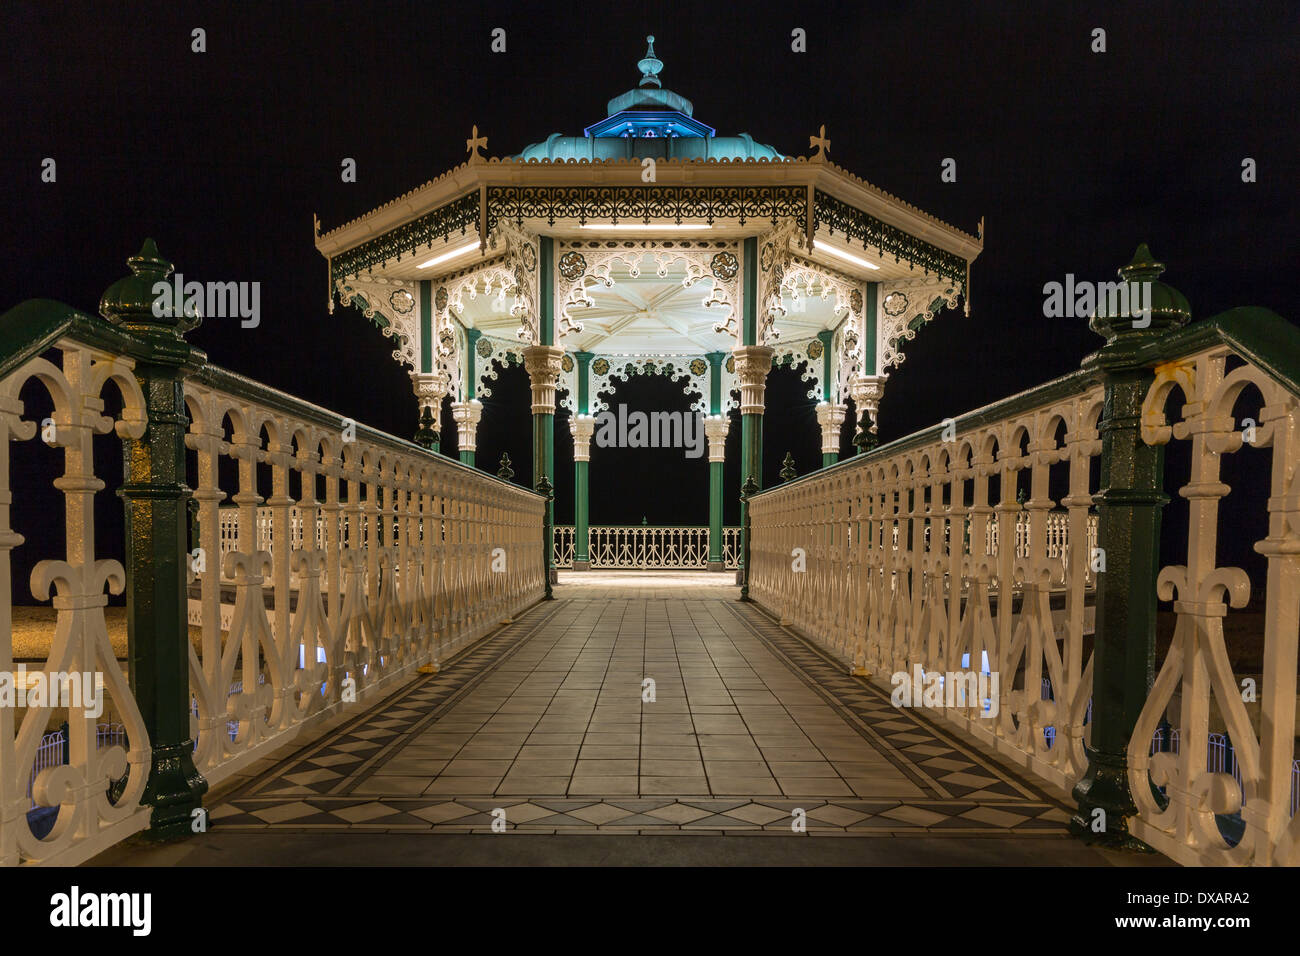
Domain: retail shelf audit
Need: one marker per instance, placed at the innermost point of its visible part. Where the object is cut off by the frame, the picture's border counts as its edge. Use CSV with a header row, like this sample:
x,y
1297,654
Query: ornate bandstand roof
x,y
642,230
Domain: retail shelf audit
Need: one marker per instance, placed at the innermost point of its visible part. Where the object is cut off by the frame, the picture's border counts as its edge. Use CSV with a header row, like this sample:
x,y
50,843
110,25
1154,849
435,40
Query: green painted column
x,y
869,327
543,364
827,339
716,431
426,432
582,429
753,362
1128,505
471,381
155,497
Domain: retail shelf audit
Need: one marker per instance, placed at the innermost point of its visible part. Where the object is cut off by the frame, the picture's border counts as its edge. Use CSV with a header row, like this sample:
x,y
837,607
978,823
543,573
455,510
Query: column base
x,y
581,565
716,566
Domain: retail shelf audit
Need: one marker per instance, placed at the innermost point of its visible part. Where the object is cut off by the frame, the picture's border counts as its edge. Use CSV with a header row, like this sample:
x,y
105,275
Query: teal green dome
x,y
649,121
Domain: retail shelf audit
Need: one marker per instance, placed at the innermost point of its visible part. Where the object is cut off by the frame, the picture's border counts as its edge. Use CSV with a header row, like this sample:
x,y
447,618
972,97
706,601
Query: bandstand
x,y
648,245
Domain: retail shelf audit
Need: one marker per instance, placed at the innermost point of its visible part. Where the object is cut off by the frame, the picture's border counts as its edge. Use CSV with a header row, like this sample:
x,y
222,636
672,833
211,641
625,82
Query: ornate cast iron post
x,y
747,491
546,491
156,501
1128,505
543,365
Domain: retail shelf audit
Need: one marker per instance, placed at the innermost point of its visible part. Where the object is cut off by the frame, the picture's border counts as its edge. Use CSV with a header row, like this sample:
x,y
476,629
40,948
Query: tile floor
x,y
550,723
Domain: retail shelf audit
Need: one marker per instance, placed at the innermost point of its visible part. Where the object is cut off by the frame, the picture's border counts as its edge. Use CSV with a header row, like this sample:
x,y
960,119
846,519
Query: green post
x,y
548,533
747,491
156,499
582,429
543,364
827,339
467,456
752,368
717,433
1128,506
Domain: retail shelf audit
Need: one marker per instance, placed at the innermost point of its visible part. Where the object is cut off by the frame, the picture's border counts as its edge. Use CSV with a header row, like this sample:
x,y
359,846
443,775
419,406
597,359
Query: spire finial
x,y
650,65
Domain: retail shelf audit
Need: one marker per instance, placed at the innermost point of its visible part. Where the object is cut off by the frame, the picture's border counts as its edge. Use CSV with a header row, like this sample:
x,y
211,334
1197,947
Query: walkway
x,y
750,729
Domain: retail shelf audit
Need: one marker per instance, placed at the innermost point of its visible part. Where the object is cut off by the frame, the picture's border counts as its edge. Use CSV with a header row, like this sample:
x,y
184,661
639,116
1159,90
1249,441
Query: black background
x,y
1072,157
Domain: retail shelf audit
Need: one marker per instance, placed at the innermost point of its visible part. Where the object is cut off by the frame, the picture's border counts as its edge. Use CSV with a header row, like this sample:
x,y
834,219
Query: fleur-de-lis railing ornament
x,y
426,435
865,439
505,472
547,491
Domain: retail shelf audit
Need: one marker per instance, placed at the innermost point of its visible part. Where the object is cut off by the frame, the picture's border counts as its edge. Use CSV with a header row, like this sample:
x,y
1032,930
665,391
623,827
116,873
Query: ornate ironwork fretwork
x,y
840,217
459,215
646,203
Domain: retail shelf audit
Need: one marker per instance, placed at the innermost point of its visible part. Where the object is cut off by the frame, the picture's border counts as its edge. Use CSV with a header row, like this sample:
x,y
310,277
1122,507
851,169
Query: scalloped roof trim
x,y
636,161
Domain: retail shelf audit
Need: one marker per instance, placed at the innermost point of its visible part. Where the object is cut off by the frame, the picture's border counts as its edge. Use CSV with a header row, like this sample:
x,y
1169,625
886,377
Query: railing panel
x,y
413,557
890,560
645,547
1198,789
94,790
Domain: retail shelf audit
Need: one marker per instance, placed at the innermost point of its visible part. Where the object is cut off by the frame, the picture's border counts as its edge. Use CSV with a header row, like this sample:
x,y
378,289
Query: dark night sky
x,y
1072,158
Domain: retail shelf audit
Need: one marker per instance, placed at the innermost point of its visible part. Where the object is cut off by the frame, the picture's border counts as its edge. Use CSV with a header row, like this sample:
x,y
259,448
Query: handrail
x,y
1258,335
1054,390
34,325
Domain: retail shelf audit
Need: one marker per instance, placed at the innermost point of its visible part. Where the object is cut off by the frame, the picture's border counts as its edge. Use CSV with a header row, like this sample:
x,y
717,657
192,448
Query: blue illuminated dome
x,y
649,121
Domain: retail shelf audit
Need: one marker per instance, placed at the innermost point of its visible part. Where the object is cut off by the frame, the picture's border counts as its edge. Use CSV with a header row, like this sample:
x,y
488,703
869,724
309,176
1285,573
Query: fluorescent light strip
x,y
846,256
642,227
446,256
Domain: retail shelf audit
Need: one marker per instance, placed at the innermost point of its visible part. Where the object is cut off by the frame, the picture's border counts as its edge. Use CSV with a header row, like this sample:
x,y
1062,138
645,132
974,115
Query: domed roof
x,y
649,121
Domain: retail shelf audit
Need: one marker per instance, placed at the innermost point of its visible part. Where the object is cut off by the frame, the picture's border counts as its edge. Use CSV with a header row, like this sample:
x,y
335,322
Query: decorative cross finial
x,y
788,472
821,144
474,144
505,473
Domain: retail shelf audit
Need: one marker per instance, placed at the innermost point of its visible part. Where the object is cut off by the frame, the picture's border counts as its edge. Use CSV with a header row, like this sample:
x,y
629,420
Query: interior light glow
x,y
846,256
444,257
643,227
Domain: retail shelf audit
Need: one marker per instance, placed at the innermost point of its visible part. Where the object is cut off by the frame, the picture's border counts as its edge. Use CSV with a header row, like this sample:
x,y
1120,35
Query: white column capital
x,y
866,392
467,416
830,416
431,388
543,365
753,362
715,429
581,428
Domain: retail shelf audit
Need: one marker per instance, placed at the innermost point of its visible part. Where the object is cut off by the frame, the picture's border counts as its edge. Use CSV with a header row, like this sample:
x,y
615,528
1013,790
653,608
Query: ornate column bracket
x,y
467,416
830,417
753,362
582,427
866,392
715,430
430,389
543,365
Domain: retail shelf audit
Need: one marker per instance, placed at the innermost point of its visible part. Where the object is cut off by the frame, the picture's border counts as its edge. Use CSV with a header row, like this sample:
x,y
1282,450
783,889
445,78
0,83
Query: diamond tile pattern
x,y
549,720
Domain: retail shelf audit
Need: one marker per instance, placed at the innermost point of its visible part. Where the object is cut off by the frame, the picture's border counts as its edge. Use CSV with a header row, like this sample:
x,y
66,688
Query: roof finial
x,y
650,65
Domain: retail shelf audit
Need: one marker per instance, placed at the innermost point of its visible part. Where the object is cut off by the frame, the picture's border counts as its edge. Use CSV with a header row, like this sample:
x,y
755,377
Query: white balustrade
x,y
1204,593
646,547
930,598
73,378
414,556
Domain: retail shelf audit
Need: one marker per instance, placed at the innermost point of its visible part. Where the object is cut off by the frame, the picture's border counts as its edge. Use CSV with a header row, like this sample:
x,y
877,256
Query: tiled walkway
x,y
549,726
